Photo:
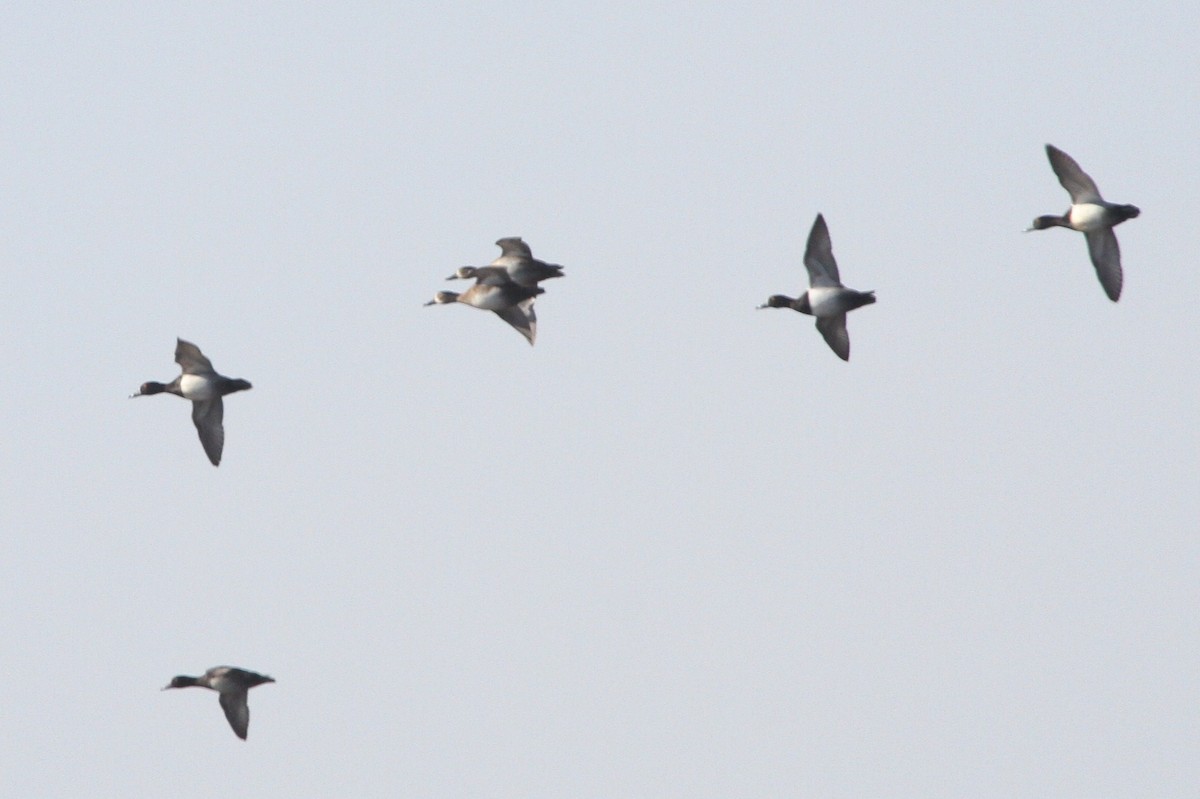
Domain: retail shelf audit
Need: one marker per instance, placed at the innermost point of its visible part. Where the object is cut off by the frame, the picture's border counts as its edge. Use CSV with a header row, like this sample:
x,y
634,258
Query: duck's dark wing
x,y
818,257
492,275
190,359
528,272
521,317
833,329
237,711
208,416
1077,183
513,245
1106,257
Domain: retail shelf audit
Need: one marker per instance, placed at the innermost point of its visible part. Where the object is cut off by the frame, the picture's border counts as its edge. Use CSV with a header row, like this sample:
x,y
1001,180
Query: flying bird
x,y
1092,216
200,383
826,299
232,684
516,264
512,302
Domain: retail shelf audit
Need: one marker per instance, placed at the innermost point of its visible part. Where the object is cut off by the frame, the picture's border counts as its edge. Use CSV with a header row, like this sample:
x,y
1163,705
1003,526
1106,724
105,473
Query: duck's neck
x,y
152,387
1043,222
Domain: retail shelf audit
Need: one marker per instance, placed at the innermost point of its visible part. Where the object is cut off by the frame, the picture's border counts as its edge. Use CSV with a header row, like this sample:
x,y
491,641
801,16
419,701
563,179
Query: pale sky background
x,y
677,549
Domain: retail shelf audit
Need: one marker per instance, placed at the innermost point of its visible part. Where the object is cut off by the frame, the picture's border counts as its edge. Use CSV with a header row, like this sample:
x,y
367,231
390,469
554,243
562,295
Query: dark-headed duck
x,y
1092,216
826,299
232,684
204,387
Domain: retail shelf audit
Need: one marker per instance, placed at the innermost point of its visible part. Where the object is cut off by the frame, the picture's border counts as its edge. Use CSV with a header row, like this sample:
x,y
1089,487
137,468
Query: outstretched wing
x,y
833,329
818,257
521,317
1077,182
513,245
237,711
1106,257
190,359
208,416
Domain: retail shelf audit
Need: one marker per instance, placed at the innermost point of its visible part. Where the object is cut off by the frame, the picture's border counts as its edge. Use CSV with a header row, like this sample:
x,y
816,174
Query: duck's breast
x,y
494,299
1087,216
197,387
826,301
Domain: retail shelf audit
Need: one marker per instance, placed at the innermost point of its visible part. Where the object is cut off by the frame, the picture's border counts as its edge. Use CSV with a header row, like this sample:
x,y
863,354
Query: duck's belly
x,y
195,387
1087,216
491,301
827,301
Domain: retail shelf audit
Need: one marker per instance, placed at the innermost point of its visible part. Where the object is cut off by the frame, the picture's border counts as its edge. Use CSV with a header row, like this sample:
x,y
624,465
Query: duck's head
x,y
777,301
1049,221
463,273
182,681
443,297
149,388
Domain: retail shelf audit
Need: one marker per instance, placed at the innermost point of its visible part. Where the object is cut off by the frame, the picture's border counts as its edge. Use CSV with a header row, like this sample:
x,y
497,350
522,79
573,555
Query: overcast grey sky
x,y
677,549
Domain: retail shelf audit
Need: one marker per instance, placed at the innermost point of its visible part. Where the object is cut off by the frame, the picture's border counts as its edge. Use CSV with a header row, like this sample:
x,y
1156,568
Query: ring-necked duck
x,y
516,263
204,387
232,684
826,299
1091,216
510,301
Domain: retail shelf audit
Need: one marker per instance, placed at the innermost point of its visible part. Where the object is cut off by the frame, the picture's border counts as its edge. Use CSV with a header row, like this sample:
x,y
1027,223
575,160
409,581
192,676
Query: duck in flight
x,y
516,264
1092,216
201,384
826,299
232,684
510,301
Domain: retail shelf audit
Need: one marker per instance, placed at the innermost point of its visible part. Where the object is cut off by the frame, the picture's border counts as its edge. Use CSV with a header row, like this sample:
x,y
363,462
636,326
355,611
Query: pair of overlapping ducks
x,y
508,286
